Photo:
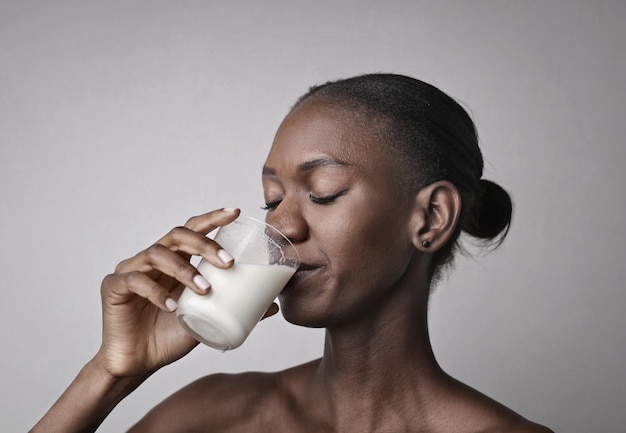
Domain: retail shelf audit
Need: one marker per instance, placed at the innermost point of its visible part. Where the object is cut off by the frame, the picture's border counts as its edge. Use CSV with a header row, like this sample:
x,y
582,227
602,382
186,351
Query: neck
x,y
382,358
380,348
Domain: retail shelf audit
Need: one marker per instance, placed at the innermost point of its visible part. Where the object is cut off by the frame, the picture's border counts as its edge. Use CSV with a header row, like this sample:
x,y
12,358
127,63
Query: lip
x,y
304,272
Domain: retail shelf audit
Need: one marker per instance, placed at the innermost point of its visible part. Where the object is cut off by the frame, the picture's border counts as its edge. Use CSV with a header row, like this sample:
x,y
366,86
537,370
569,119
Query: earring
x,y
425,244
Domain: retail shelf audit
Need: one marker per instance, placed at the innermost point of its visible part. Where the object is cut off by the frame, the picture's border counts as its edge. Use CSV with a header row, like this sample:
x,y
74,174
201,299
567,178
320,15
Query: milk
x,y
238,298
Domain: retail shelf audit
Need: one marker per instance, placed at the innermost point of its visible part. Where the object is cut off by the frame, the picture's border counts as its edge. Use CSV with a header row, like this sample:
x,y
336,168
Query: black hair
x,y
436,137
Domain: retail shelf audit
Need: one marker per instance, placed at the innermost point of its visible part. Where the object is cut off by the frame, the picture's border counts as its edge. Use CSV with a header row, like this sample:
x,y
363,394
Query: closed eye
x,y
326,199
271,205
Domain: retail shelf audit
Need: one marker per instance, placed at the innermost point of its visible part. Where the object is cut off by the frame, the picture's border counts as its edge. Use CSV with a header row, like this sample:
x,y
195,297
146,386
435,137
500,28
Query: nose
x,y
288,219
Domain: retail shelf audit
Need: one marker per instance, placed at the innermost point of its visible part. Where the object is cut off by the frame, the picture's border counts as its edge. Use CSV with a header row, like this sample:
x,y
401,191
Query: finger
x,y
186,238
119,288
161,258
179,240
208,222
193,243
273,309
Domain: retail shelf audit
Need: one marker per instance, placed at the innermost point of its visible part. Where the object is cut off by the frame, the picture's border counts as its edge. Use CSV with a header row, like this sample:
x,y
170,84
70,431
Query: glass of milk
x,y
264,261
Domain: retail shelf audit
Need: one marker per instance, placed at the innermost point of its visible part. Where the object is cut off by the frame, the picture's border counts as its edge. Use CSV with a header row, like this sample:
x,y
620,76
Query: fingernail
x,y
229,209
201,283
171,304
225,257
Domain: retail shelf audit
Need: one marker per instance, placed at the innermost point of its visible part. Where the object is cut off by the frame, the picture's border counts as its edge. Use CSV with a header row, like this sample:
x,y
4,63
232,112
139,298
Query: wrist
x,y
109,384
88,400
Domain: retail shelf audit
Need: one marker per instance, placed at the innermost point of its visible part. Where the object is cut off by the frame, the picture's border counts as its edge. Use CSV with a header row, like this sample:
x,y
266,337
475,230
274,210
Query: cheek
x,y
366,252
380,260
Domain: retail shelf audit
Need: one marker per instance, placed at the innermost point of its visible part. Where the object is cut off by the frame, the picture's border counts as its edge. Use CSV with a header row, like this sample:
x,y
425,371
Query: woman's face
x,y
334,191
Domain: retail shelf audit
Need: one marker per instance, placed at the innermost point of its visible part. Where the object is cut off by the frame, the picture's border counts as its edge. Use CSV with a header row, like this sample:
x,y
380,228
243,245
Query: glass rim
x,y
244,219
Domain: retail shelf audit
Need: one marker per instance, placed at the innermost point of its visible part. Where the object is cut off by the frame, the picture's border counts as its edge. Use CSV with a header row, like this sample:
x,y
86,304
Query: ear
x,y
435,215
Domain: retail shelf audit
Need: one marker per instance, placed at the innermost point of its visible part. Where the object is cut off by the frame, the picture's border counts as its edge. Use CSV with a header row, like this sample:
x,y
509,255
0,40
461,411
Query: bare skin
x,y
365,278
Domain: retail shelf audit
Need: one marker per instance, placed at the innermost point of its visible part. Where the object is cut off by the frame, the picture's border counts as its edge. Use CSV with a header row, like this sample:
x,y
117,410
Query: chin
x,y
301,312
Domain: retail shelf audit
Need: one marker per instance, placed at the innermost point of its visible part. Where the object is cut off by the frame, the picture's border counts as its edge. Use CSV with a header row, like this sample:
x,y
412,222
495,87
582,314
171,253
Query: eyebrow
x,y
310,165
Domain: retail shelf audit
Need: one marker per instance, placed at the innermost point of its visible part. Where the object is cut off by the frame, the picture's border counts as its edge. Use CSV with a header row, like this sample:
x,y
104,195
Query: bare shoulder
x,y
495,420
476,412
500,419
223,402
523,426
212,403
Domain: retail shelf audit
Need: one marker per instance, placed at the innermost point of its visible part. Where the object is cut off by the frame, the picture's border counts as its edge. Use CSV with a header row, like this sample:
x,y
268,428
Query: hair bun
x,y
491,217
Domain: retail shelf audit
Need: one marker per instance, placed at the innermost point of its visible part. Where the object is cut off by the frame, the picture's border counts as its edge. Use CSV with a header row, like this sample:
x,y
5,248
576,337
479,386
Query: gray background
x,y
119,120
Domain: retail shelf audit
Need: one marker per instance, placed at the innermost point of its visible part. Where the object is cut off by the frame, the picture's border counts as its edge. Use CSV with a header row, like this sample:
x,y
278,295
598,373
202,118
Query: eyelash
x,y
271,205
327,199
317,200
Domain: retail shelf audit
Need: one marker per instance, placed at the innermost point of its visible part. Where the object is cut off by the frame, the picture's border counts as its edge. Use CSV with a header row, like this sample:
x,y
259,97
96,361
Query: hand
x,y
140,329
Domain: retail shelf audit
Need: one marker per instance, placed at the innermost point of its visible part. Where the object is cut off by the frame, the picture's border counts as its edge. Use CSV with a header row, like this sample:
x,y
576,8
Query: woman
x,y
373,179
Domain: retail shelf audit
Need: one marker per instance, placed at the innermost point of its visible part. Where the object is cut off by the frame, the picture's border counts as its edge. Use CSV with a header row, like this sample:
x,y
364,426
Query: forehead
x,y
315,130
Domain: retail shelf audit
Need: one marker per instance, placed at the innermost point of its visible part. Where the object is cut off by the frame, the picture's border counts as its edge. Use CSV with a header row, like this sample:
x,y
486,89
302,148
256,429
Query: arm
x,y
87,401
140,331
